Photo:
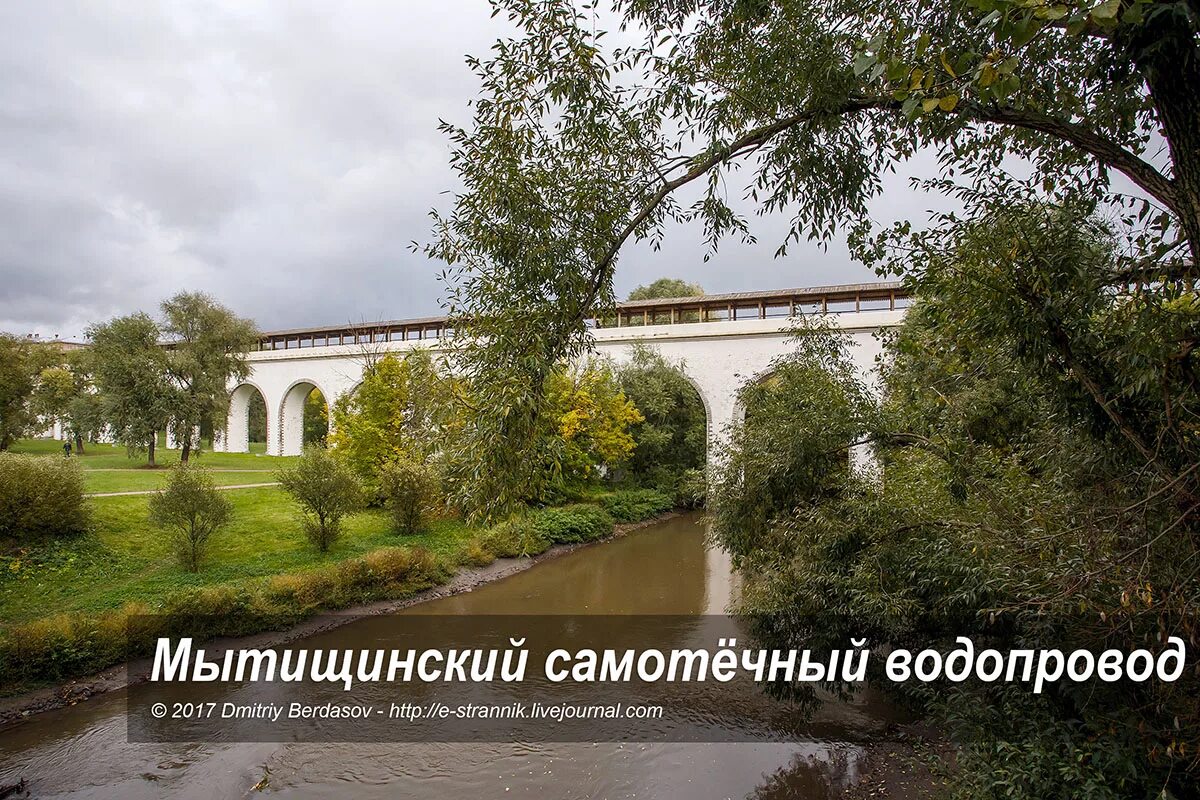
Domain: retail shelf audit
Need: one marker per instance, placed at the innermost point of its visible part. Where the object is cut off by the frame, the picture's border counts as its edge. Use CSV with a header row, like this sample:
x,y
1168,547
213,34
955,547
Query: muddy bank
x,y
912,763
19,707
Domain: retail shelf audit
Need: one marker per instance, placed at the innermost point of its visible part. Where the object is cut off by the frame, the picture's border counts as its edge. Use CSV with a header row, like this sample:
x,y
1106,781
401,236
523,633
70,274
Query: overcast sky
x,y
281,156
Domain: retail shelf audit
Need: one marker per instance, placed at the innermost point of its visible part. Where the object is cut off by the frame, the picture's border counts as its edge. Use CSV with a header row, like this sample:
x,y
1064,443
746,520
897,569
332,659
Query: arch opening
x,y
247,422
676,434
303,418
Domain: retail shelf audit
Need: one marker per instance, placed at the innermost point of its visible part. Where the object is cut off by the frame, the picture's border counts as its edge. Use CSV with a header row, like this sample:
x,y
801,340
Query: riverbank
x,y
18,707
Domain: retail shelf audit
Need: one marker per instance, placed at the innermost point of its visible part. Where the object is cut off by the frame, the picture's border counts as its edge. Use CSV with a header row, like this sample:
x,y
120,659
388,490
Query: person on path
x,y
67,448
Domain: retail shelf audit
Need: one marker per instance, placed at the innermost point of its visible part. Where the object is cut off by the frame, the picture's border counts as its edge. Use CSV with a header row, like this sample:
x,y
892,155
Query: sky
x,y
280,156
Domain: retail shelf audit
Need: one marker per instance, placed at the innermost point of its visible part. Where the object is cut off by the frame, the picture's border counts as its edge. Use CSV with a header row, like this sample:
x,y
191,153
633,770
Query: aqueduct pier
x,y
723,340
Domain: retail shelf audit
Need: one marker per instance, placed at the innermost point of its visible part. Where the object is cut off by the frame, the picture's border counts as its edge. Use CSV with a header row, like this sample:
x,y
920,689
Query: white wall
x,y
719,358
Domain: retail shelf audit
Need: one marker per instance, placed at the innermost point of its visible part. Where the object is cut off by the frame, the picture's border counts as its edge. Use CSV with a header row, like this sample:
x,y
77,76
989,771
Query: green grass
x,y
101,462
109,456
126,558
142,480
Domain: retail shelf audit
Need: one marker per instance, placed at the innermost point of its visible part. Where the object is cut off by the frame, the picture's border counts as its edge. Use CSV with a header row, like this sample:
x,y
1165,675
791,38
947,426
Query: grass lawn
x,y
142,480
110,469
125,558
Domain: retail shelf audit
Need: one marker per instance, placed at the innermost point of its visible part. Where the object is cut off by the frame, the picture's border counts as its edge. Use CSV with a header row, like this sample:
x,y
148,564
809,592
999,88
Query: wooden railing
x,y
777,303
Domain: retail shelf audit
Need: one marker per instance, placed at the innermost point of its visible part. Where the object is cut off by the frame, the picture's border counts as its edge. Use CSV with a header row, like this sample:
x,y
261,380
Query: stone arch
x,y
291,416
236,437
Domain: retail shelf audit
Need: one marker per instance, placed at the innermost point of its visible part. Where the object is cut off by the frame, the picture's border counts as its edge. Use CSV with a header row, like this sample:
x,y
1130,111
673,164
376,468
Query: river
x,y
82,752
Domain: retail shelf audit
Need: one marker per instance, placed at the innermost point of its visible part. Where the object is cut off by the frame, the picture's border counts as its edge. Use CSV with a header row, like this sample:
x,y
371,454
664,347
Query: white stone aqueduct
x,y
724,341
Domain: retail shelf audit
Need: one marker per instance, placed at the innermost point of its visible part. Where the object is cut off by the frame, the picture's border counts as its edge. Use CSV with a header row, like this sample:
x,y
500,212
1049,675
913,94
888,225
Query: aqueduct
x,y
724,341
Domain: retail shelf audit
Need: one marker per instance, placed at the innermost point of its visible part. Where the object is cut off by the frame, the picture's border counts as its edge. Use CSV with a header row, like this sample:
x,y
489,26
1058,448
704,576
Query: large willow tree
x,y
578,146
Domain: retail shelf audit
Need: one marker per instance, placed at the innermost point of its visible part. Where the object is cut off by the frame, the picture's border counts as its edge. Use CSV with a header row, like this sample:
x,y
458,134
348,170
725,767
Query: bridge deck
x,y
774,303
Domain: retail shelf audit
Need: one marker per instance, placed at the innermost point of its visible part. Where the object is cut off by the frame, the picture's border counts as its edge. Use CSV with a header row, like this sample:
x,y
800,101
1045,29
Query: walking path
x,y
156,491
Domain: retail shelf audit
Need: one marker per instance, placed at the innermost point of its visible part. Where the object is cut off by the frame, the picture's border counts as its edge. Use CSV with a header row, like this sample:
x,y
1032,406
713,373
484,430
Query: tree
x,y
131,373
208,345
326,490
672,436
814,101
402,409
666,288
1018,506
64,392
316,419
410,488
16,386
257,422
593,418
192,509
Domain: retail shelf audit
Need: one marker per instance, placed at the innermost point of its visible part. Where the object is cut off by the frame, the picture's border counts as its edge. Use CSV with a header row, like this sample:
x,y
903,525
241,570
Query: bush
x,y
326,490
40,498
192,510
571,524
635,505
692,491
409,489
513,538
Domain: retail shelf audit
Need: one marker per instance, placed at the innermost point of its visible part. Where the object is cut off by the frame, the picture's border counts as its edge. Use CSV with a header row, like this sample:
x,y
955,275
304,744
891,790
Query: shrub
x,y
475,554
409,488
513,538
692,491
192,510
326,490
636,504
571,524
40,498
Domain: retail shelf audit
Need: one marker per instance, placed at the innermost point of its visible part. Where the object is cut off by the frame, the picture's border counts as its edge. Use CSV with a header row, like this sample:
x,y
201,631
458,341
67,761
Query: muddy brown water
x,y
82,752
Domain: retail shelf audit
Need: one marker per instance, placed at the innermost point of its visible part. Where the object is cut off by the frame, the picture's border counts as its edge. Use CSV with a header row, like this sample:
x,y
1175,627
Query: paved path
x,y
156,491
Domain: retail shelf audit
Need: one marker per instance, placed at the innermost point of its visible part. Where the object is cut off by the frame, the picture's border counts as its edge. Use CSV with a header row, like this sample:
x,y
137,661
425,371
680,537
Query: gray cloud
x,y
281,157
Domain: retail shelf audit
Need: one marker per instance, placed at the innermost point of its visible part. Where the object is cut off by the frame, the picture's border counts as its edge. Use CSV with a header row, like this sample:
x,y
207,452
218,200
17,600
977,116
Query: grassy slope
x,y
125,558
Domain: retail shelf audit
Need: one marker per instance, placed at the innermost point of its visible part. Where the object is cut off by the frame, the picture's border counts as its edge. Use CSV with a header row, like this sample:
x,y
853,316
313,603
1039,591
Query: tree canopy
x,y
577,146
666,288
131,373
208,347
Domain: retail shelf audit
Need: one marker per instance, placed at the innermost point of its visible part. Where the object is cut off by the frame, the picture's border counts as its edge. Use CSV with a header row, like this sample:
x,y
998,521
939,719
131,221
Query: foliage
x,y
577,146
130,371
666,288
326,490
316,419
692,489
1038,437
580,431
792,447
580,522
40,498
19,366
402,409
64,392
634,505
257,418
410,489
208,347
192,510
593,419
514,538
672,436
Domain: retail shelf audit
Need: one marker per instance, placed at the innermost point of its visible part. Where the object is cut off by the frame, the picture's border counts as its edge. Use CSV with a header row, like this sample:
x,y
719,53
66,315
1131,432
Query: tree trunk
x,y
78,443
150,449
186,450
1167,56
